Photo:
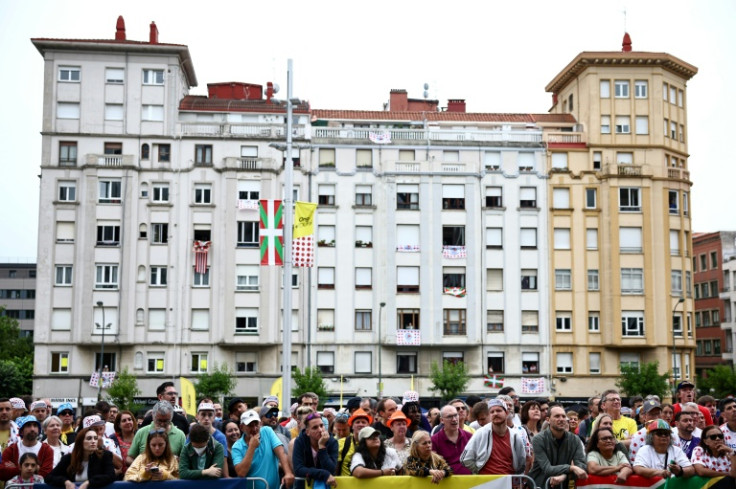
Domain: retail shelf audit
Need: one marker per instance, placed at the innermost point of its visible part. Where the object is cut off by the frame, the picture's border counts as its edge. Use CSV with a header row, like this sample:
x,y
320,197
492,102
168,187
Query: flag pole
x,y
288,233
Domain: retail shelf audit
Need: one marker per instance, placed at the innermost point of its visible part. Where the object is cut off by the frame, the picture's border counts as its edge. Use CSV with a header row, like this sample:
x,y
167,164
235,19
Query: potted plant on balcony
x,y
324,243
363,244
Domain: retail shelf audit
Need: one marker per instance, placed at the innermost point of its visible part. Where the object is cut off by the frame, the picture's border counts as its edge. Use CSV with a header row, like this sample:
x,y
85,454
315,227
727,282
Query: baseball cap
x,y
267,409
38,404
353,403
649,405
270,399
17,403
24,420
367,432
360,413
93,420
658,425
231,405
205,406
681,385
66,406
248,417
398,415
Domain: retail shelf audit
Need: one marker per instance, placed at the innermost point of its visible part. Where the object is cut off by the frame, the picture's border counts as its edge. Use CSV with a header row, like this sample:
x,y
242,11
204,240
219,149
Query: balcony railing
x,y
526,136
114,161
627,170
565,137
267,131
249,164
678,174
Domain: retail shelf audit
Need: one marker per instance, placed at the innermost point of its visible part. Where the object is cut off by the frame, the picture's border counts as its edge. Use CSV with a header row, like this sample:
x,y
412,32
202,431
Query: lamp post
x,y
102,350
380,370
674,349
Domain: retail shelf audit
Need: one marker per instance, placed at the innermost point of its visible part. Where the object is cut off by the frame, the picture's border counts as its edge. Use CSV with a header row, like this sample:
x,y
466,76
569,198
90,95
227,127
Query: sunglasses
x,y
606,438
715,437
272,414
156,432
662,433
342,416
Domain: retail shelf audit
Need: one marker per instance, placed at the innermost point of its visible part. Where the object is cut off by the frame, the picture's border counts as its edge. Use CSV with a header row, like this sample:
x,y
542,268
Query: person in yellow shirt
x,y
623,427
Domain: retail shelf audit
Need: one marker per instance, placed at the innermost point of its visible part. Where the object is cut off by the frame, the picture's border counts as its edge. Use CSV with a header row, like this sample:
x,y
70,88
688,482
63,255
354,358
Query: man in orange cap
x,y
346,446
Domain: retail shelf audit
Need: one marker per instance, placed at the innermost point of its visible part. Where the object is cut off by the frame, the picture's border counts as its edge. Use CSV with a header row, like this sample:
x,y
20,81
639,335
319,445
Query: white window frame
x,y
247,278
363,195
326,362
200,319
632,193
594,363
591,239
621,88
363,362
160,193
641,89
632,324
114,75
561,198
243,230
67,110
594,322
563,279
605,88
562,238
153,76
529,279
106,276
326,194
251,320
632,281
201,280
630,239
325,277
152,113
594,281
642,124
676,279
63,275
527,236
70,74
159,362
159,232
114,112
363,278
196,365
158,276
605,124
109,190
623,124
563,321
203,193
591,198
67,191
63,366
494,238
564,362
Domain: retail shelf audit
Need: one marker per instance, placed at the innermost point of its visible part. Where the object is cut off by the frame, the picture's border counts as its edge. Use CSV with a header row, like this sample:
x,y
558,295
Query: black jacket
x,y
100,471
306,466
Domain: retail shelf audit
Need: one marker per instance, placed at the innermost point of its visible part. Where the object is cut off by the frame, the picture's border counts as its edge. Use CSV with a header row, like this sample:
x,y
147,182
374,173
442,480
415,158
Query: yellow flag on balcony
x,y
188,396
302,244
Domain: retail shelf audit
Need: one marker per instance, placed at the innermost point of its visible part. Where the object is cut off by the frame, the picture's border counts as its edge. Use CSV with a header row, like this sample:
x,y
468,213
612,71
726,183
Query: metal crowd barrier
x,y
517,481
231,483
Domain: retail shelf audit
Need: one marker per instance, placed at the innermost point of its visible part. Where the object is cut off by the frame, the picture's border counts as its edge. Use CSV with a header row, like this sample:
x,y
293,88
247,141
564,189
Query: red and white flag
x,y
534,385
408,337
201,249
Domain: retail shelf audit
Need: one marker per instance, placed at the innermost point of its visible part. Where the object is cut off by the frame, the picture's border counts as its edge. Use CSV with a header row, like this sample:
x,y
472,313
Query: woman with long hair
x,y
423,462
125,428
232,434
659,457
531,414
52,437
713,458
88,463
604,458
157,463
372,458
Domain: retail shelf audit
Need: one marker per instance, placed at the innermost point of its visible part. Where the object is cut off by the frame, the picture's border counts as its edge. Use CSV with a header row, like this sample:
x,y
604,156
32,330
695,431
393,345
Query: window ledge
x,y
202,206
65,202
160,204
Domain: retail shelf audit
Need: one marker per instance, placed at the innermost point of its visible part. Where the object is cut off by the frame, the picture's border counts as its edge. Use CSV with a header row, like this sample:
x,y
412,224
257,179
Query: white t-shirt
x,y
391,461
637,441
22,448
729,436
647,457
721,464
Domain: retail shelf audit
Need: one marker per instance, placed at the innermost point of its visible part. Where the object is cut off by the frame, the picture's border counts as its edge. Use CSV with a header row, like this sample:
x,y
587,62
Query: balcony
x,y
678,174
110,161
428,167
626,170
250,164
431,134
565,138
225,129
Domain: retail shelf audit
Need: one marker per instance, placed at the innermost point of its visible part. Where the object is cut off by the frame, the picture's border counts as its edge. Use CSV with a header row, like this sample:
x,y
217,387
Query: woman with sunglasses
x,y
713,458
315,453
659,457
87,466
157,463
604,457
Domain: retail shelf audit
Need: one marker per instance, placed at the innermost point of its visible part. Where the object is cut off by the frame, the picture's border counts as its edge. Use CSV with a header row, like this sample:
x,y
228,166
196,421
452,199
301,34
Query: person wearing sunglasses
x,y
660,457
713,458
605,458
340,427
314,454
270,419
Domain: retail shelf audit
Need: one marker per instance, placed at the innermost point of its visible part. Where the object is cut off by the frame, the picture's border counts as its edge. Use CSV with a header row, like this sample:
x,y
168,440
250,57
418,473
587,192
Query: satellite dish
x,y
275,88
426,86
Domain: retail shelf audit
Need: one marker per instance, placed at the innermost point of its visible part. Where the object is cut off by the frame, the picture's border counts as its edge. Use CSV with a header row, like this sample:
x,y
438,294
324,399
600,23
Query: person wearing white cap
x,y
19,407
258,453
39,410
97,424
372,458
495,448
206,417
30,429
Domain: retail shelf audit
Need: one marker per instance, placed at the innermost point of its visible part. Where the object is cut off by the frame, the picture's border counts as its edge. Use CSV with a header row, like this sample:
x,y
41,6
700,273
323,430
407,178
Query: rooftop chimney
x,y
626,45
398,100
153,36
120,29
456,105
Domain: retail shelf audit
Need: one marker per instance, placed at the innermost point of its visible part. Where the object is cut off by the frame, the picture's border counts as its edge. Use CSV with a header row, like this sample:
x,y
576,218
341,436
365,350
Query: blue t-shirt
x,y
265,463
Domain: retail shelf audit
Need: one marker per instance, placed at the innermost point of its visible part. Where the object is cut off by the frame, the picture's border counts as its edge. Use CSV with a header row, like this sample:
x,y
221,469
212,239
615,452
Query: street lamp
x,y
380,371
674,349
102,352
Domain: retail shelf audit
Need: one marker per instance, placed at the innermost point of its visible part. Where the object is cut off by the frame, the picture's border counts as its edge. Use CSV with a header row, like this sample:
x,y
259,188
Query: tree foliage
x,y
216,384
123,389
309,380
16,359
450,380
643,380
718,382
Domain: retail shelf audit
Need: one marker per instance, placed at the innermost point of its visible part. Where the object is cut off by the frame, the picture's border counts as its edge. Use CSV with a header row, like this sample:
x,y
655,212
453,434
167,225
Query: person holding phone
x,y
156,463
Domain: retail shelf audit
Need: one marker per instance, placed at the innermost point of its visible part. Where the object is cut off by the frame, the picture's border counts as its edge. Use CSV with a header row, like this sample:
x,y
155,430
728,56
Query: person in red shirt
x,y
686,393
29,430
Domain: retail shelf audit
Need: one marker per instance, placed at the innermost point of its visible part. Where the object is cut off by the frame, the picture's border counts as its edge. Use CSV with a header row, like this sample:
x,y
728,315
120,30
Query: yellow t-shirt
x,y
344,465
4,437
624,428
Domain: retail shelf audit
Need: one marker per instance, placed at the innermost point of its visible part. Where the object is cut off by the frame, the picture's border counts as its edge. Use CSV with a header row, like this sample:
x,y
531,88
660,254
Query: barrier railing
x,y
453,481
234,483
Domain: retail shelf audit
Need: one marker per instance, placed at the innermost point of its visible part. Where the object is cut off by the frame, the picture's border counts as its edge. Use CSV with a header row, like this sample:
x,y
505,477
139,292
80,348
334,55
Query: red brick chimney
x,y
456,105
120,29
153,36
626,45
399,100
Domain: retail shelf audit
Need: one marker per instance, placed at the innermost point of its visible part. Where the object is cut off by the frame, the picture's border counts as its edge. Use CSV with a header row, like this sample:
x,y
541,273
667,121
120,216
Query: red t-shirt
x,y
501,459
706,414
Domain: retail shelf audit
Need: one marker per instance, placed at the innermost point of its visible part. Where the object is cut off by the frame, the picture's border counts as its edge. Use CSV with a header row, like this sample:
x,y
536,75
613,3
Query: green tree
x,y
450,380
216,384
643,380
310,380
16,359
123,389
719,382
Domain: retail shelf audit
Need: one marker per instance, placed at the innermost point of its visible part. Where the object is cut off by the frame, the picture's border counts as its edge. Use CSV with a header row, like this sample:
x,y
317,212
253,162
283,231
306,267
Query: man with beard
x,y
29,431
39,410
558,453
685,394
686,440
8,428
270,419
494,448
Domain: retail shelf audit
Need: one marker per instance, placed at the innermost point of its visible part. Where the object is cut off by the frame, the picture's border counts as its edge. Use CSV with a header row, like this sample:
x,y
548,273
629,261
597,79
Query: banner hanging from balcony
x,y
408,337
532,385
107,379
380,137
455,291
494,382
302,246
454,252
271,231
248,205
201,249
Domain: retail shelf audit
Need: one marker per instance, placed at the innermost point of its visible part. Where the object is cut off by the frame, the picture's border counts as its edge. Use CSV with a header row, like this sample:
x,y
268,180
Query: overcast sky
x,y
498,56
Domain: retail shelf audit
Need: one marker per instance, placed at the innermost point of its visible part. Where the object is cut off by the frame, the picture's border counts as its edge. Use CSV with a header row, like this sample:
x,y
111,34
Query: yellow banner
x,y
304,219
276,389
188,396
407,482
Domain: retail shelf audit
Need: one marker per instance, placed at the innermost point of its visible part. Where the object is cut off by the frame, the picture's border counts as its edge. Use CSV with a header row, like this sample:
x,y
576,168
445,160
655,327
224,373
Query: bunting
x,y
454,252
408,337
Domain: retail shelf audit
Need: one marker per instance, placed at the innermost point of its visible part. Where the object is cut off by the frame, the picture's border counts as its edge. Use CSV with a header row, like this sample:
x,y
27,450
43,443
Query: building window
x,y
673,202
677,325
107,362
109,191
591,239
64,232
363,320
203,154
363,362
528,238
364,158
63,275
494,197
563,279
106,277
561,198
325,277
407,196
559,161
158,276
363,195
407,279
407,319
677,282
494,321
159,233
152,113
326,362
525,160
495,362
453,196
528,279
67,153
406,363
632,323
623,124
593,280
67,110
199,363
157,319
201,279
202,193
713,260
326,319
155,362
632,281
453,357
591,198
562,238
673,95
200,319
453,235
494,279
605,88
108,235
642,124
492,161
67,191
630,239
326,235
69,73
327,157
563,321
453,277
641,89
164,153
594,363
114,112
59,362
621,88
530,321
629,199
246,362
605,124
326,195
363,278
406,155
529,362
114,75
153,77
363,236
160,193
674,242
594,322
597,159
247,278
246,320
564,363
248,234
527,197
61,319
630,360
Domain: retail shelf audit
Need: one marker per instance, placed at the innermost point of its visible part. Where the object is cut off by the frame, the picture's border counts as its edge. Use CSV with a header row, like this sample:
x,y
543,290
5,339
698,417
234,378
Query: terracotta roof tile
x,y
377,115
203,103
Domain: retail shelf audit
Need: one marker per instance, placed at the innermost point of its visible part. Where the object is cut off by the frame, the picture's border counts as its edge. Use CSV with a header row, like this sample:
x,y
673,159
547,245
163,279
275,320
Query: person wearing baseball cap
x,y
659,457
259,453
29,430
346,446
206,417
269,415
19,407
685,394
97,424
652,411
65,412
39,410
367,463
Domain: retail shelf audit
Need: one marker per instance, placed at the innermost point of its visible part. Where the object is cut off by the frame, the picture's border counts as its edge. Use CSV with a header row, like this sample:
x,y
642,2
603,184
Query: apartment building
x,y
18,294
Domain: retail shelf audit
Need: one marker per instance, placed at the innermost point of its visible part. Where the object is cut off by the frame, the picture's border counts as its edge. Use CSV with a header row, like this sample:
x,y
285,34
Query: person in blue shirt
x,y
258,454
